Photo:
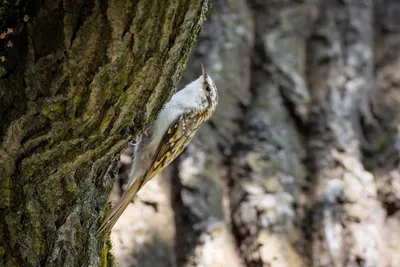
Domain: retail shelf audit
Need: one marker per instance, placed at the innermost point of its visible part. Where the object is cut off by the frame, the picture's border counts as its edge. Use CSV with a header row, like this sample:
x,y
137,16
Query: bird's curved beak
x,y
203,69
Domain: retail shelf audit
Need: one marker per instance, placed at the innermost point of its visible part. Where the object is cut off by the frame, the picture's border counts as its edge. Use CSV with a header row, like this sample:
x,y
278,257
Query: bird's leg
x,y
137,140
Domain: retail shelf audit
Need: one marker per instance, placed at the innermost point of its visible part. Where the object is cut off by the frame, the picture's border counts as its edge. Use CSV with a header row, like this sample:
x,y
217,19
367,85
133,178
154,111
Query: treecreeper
x,y
166,138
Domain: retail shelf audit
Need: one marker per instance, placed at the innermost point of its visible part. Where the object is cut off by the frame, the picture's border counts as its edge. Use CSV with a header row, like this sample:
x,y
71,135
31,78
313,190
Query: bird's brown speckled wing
x,y
177,137
174,141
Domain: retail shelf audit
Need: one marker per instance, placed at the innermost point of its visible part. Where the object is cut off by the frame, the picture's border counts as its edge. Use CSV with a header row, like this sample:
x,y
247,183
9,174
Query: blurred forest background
x,y
300,164
298,167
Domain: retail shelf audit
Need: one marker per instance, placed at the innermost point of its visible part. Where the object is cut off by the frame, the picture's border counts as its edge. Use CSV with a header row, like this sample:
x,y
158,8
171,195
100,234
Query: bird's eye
x,y
208,89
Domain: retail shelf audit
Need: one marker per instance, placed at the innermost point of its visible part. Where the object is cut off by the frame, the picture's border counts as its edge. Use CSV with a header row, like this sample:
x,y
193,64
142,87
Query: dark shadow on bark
x,y
187,238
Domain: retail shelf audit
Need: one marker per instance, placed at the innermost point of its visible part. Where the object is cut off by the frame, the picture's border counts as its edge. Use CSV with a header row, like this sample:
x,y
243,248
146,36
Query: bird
x,y
166,138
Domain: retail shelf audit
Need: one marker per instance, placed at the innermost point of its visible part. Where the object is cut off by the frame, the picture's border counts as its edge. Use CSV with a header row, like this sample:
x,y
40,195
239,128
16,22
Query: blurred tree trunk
x,y
79,80
345,212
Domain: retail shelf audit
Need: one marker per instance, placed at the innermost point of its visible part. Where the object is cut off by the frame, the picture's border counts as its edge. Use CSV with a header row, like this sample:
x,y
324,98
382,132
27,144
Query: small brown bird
x,y
170,133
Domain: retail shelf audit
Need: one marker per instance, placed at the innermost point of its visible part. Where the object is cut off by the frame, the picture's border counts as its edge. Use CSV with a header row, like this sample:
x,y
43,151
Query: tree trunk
x,y
79,80
266,169
346,215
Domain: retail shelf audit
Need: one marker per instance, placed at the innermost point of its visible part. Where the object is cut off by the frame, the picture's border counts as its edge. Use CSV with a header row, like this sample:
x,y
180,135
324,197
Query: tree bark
x,y
79,80
266,169
346,216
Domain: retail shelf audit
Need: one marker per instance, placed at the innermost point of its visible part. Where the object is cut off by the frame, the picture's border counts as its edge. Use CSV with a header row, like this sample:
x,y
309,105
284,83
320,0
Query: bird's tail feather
x,y
120,207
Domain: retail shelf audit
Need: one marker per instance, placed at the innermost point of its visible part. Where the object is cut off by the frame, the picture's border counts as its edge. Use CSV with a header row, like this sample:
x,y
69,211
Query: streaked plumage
x,y
168,136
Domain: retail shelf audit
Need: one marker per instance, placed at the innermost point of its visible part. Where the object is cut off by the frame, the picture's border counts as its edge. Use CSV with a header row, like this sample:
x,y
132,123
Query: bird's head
x,y
209,88
200,94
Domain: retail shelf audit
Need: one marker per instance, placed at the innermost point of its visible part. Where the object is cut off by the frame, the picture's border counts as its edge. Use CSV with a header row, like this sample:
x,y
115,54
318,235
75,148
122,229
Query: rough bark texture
x,y
79,79
346,215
